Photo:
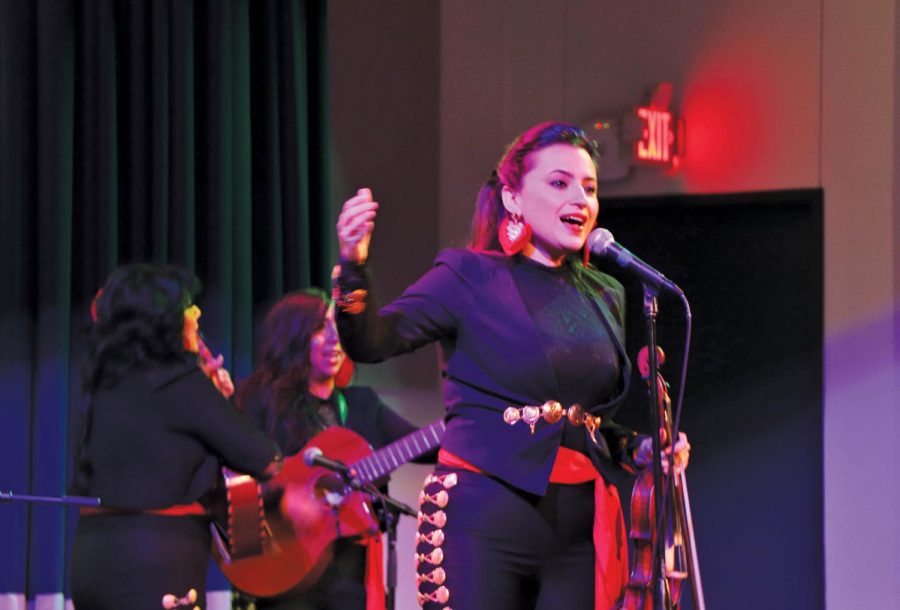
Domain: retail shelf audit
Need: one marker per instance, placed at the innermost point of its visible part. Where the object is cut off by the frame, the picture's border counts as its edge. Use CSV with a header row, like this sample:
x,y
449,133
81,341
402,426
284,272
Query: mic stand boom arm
x,y
64,500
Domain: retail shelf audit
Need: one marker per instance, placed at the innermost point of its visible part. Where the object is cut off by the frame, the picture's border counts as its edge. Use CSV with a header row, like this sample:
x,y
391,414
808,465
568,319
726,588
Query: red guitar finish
x,y
294,561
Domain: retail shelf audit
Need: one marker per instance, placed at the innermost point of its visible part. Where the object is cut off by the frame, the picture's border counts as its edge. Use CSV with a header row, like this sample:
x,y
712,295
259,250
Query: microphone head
x,y
599,240
310,455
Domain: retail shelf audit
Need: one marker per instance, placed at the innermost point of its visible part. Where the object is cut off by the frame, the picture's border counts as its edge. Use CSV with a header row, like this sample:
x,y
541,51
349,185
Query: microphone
x,y
601,243
314,457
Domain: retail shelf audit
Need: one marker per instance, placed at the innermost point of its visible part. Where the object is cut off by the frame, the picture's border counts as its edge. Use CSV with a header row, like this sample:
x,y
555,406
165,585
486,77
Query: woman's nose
x,y
331,332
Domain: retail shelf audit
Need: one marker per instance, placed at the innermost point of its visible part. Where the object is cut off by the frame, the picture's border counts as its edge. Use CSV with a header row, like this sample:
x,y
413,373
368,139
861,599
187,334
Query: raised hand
x,y
355,225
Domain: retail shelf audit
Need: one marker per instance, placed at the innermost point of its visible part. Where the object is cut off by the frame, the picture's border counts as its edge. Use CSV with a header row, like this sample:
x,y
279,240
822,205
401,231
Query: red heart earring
x,y
514,233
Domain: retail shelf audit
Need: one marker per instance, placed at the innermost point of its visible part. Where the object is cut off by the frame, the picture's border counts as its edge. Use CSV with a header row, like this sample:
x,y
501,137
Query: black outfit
x,y
342,586
154,440
513,333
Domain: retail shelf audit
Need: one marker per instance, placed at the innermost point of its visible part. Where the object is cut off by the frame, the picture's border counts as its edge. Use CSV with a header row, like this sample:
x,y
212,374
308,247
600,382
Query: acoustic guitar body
x,y
292,560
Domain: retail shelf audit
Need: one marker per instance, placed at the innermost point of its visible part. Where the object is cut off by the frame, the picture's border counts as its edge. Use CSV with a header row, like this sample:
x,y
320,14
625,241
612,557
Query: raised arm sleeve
x,y
422,314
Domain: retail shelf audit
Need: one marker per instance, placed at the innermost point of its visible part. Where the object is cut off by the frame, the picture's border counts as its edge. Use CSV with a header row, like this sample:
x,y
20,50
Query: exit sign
x,y
661,137
649,134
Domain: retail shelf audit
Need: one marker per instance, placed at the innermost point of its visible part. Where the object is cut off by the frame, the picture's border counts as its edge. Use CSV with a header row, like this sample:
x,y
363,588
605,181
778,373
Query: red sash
x,y
375,595
179,510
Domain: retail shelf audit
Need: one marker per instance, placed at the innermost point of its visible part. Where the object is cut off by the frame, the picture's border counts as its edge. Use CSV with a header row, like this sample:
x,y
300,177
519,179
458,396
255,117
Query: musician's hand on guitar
x,y
644,454
304,511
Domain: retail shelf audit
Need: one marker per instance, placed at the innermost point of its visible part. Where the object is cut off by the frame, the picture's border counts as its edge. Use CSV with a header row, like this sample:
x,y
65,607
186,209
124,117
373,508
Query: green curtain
x,y
152,130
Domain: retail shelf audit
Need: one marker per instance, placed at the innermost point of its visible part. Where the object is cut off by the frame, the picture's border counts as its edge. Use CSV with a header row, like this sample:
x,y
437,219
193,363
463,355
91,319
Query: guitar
x,y
259,550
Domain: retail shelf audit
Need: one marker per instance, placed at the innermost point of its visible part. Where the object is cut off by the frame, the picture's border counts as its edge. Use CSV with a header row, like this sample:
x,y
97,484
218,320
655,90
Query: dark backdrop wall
x,y
169,131
384,100
384,60
751,267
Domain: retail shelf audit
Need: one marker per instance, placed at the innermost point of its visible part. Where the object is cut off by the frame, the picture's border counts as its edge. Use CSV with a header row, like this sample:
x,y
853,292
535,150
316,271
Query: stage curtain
x,y
152,130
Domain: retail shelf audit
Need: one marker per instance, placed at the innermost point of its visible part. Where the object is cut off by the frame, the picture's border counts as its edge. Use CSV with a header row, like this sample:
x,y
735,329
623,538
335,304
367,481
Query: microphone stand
x,y
391,510
661,598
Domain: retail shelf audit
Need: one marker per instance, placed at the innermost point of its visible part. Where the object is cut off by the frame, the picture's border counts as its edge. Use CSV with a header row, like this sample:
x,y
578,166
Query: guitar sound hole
x,y
330,489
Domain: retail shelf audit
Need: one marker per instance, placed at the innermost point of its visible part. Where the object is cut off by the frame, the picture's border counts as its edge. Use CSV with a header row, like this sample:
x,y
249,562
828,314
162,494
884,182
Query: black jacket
x,y
470,302
158,437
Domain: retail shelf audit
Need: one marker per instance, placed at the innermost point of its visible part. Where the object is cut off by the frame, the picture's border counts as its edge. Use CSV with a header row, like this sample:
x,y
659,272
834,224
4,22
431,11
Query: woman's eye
x,y
558,184
590,189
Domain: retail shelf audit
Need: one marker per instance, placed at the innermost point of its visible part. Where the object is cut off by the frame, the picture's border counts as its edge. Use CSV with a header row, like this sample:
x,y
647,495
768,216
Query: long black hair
x,y
139,321
281,377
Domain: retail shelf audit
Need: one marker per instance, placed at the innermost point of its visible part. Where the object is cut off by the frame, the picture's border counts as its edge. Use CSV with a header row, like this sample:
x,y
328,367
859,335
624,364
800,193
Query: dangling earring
x,y
514,233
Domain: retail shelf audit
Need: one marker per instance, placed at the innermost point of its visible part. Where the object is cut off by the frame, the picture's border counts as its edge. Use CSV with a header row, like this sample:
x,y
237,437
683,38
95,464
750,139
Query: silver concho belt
x,y
552,412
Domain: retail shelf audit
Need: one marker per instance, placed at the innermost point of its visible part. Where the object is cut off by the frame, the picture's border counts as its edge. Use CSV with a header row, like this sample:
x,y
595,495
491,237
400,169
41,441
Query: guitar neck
x,y
390,457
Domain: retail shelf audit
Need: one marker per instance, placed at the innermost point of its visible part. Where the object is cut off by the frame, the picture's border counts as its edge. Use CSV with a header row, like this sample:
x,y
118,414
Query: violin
x,y
680,553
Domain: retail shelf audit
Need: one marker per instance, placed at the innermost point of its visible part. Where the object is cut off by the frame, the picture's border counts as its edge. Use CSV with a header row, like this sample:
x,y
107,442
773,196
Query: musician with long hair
x,y
520,511
298,389
154,435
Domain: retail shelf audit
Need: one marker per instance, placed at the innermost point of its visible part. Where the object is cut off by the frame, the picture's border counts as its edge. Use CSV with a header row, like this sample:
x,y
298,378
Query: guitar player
x,y
298,389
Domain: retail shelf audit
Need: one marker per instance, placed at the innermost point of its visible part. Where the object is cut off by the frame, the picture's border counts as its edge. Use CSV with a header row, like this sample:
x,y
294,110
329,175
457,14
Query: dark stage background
x,y
751,267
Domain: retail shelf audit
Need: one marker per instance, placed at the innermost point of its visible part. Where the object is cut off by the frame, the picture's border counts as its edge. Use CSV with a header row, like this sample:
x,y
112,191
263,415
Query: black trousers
x,y
132,561
341,587
504,549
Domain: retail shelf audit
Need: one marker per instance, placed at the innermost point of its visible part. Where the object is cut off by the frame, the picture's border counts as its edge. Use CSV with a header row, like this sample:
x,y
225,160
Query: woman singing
x,y
156,432
519,512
